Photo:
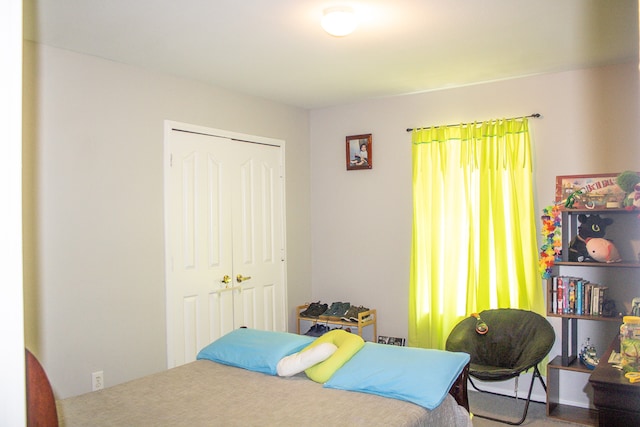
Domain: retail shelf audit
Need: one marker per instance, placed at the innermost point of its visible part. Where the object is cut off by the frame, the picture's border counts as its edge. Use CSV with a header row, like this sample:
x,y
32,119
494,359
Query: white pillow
x,y
298,362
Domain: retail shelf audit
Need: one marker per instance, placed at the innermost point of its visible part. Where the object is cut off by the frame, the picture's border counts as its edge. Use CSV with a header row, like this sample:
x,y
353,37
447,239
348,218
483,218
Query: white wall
x,y
94,273
361,220
12,380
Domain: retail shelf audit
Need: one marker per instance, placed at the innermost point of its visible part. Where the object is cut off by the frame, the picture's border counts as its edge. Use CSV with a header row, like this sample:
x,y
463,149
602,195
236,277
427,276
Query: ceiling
x,y
276,49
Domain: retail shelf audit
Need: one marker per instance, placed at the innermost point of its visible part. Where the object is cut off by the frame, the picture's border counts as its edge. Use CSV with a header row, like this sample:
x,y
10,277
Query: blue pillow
x,y
253,349
417,375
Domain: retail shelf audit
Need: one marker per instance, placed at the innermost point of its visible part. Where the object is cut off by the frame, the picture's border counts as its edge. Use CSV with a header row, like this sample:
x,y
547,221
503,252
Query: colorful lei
x,y
552,246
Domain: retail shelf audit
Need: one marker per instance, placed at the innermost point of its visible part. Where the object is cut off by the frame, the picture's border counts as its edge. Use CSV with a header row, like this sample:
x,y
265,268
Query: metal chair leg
x,y
536,373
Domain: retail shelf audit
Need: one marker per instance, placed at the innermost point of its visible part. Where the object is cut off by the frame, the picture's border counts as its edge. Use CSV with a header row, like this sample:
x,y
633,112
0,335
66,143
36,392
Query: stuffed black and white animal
x,y
590,226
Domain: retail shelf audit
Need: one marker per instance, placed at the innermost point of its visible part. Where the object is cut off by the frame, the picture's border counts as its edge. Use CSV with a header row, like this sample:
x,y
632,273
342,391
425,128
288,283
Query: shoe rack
x,y
365,319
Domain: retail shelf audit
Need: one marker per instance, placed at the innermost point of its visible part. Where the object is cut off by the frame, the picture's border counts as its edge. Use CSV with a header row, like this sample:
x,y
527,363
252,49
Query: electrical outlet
x,y
97,380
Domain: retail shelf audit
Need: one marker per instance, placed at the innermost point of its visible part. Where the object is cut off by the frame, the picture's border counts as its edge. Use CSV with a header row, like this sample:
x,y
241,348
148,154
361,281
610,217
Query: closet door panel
x,y
225,240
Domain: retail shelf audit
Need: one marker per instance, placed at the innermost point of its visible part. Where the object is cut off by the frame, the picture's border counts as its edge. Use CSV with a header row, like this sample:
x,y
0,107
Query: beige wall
x,y
361,220
94,257
94,283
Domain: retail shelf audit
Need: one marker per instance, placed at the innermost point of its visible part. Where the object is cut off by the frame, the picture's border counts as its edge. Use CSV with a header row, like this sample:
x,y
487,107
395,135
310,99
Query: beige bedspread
x,y
205,393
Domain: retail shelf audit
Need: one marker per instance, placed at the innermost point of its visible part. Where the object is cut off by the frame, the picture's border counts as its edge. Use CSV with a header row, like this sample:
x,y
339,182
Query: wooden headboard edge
x,y
41,404
459,388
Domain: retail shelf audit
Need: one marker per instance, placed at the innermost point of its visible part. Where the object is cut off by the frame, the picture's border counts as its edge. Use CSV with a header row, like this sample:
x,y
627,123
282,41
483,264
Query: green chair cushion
x,y
517,340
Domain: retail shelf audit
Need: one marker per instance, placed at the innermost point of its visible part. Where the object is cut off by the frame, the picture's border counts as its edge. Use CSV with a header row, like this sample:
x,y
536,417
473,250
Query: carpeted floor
x,y
511,409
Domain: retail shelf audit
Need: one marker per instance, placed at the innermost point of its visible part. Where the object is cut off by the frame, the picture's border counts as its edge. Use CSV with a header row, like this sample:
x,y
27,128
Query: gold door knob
x,y
240,278
226,279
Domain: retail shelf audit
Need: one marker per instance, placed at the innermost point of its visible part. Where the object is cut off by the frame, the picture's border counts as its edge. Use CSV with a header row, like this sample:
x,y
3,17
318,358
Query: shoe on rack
x,y
352,312
359,310
312,330
317,330
332,309
314,310
364,318
342,309
337,309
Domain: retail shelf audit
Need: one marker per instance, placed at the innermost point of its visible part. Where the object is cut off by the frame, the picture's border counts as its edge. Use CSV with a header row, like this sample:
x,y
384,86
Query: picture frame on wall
x,y
359,152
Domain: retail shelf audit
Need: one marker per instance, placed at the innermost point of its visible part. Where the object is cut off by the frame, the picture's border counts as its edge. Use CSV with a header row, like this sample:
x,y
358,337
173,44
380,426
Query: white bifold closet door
x,y
225,256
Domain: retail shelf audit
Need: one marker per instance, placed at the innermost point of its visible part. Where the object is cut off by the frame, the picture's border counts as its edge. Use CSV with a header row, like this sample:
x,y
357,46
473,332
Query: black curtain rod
x,y
534,115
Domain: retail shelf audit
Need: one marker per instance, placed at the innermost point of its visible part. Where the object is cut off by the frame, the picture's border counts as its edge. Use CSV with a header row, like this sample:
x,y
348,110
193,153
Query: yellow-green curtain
x,y
474,230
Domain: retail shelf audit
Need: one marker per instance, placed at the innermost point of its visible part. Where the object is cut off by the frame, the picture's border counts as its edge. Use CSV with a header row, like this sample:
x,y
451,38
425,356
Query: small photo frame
x,y
397,341
402,342
383,340
359,152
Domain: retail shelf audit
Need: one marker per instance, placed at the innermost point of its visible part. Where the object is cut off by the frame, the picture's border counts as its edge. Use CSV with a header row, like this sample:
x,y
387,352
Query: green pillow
x,y
348,344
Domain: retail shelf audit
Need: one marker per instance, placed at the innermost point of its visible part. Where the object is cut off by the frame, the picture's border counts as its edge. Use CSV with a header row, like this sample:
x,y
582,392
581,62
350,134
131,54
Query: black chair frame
x,y
526,334
536,374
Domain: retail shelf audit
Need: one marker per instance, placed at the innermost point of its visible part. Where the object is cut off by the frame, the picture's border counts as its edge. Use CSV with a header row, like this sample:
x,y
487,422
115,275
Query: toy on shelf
x,y
591,226
602,250
629,182
588,355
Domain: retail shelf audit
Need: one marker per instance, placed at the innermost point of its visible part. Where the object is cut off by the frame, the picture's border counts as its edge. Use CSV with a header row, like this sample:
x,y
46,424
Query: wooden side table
x,y
617,400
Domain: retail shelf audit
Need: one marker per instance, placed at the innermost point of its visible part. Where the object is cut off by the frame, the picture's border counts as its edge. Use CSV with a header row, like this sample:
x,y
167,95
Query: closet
x,y
224,236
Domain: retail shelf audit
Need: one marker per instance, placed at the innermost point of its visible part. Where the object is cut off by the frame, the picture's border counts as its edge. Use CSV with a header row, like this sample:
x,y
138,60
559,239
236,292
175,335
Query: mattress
x,y
206,393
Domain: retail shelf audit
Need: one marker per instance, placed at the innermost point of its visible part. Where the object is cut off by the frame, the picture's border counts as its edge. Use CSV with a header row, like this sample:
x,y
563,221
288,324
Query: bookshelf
x,y
622,283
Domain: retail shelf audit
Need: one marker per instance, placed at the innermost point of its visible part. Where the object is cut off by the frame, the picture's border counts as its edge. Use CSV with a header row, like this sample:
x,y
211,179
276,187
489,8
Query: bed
x,y
219,389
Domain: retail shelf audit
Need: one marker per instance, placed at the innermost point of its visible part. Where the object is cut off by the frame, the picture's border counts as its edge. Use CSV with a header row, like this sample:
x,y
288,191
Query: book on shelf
x,y
587,297
560,305
575,295
579,296
554,294
571,309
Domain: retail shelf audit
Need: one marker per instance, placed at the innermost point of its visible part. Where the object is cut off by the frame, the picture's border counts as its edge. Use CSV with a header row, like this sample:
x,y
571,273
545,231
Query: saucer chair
x,y
516,341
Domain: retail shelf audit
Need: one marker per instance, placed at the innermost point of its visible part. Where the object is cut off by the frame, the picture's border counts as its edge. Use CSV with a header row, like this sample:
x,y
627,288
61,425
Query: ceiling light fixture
x,y
339,21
